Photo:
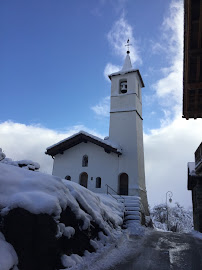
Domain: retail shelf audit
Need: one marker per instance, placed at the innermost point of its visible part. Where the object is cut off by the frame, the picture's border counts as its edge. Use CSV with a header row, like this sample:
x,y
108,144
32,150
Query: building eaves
x,y
80,137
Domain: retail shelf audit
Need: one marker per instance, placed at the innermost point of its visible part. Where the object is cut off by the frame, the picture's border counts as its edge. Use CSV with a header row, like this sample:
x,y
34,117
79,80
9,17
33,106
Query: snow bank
x,y
100,207
76,211
42,193
197,235
25,163
8,256
33,191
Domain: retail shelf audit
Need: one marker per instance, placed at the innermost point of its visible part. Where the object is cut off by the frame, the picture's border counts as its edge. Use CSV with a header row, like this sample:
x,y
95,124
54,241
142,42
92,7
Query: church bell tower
x,y
126,128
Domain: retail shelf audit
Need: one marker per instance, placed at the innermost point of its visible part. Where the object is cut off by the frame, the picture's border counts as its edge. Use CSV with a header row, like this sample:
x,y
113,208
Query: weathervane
x,y
128,45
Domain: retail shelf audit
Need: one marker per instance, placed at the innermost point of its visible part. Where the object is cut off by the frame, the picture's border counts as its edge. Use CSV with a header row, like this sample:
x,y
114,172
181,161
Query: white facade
x,y
122,170
100,164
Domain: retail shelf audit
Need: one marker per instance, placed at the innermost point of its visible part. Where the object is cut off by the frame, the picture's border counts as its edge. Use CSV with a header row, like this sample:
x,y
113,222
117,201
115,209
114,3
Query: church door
x,y
84,179
123,184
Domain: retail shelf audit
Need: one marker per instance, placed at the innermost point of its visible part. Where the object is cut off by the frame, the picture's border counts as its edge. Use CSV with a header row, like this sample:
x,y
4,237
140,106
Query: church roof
x,y
80,137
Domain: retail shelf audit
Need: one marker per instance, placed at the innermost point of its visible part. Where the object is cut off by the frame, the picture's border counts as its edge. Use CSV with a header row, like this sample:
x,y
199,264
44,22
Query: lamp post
x,y
168,194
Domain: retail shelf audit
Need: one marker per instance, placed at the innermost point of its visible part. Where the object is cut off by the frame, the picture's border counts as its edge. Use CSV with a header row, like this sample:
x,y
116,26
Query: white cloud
x,y
109,69
167,151
170,147
103,107
117,37
19,141
169,87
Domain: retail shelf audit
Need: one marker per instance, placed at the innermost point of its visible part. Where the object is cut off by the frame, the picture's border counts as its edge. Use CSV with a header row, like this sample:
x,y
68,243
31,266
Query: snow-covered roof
x,y
121,72
191,168
79,137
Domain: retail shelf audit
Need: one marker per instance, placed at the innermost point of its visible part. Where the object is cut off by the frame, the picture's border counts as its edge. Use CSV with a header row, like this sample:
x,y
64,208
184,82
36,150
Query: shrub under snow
x,y
176,218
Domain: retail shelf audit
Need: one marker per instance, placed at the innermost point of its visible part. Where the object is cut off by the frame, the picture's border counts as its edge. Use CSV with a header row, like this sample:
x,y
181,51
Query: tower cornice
x,y
126,72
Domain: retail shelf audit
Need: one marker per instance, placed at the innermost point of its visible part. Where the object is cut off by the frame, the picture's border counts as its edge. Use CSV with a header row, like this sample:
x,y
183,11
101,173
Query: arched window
x,y
68,177
83,179
85,161
123,87
98,182
123,184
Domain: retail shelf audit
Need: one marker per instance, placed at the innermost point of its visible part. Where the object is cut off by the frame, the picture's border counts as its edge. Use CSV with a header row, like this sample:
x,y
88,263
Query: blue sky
x,y
54,61
53,55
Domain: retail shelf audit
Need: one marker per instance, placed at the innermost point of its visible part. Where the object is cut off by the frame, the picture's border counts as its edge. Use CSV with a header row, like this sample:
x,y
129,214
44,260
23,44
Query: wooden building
x,y
192,84
195,185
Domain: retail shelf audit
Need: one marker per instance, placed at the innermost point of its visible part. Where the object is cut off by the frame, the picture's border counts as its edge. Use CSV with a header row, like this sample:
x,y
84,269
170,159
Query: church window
x,y
98,182
85,161
68,177
123,87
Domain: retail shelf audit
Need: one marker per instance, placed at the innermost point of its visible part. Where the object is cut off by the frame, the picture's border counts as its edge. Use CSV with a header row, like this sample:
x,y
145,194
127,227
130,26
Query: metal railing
x,y
109,188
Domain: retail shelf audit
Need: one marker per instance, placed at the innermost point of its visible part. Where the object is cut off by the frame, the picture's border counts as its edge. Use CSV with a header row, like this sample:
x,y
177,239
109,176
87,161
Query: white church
x,y
118,160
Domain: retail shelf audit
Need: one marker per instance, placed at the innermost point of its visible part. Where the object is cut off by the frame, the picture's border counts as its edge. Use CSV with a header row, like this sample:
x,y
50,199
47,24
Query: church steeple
x,y
127,63
126,125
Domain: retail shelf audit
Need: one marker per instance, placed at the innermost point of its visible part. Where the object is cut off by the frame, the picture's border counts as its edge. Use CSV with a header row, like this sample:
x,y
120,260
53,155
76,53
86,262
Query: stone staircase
x,y
132,210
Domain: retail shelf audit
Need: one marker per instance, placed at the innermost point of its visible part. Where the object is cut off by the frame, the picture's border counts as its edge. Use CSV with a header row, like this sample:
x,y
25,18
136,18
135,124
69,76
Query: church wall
x,y
100,164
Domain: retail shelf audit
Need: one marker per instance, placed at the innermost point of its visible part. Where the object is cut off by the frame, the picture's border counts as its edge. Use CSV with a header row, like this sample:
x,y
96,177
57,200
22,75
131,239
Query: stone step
x,y
128,222
132,209
132,217
135,213
132,203
132,222
131,212
128,199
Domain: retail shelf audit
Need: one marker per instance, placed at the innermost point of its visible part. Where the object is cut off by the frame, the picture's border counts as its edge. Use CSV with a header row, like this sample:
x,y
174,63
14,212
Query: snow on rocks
x,y
2,155
34,192
66,231
8,256
25,164
81,220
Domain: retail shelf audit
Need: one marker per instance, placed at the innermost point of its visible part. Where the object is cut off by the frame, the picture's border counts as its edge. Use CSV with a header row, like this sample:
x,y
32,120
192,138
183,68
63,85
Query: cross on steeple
x,y
128,45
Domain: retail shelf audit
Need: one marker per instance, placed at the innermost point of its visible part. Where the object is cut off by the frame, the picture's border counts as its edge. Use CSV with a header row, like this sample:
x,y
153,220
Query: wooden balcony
x,y
192,81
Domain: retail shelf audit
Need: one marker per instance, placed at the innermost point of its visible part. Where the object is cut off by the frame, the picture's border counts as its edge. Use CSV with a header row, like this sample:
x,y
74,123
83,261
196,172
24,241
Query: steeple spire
x,y
127,63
